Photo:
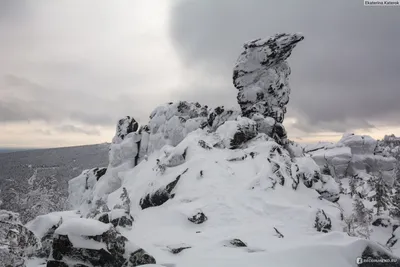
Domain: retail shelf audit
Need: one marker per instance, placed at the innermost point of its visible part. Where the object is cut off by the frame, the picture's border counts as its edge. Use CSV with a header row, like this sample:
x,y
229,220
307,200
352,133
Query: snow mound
x,y
81,226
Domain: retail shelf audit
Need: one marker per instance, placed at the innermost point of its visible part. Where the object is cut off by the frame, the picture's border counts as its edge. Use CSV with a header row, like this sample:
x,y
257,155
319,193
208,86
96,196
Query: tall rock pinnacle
x,y
261,76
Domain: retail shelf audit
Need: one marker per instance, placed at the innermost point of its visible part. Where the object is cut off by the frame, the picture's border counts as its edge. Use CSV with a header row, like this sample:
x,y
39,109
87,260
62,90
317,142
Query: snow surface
x,y
41,224
82,227
234,211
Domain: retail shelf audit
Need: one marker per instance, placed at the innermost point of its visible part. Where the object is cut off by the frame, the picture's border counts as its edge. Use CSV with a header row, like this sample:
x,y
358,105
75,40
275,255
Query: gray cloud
x,y
25,101
74,129
344,74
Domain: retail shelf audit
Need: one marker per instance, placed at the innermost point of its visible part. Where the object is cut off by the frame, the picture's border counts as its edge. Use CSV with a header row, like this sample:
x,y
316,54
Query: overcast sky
x,y
70,69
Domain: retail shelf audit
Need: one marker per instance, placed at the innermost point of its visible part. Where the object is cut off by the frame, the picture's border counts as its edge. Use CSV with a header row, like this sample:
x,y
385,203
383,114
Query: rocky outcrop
x,y
117,217
161,195
16,241
80,188
354,155
322,222
261,76
198,218
236,133
90,242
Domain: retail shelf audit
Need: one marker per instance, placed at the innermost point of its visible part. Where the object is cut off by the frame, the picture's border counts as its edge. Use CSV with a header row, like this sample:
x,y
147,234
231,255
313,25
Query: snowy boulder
x,y
261,76
90,242
309,172
238,132
16,241
322,222
382,222
359,144
161,195
125,126
117,217
336,158
198,218
169,124
220,115
80,188
47,242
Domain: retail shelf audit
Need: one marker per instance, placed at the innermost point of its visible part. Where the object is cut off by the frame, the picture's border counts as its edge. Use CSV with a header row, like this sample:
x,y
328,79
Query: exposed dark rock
x,y
331,196
219,116
204,145
383,222
178,250
161,196
125,126
322,222
198,218
245,130
125,221
243,135
140,257
115,251
237,243
47,242
52,263
99,172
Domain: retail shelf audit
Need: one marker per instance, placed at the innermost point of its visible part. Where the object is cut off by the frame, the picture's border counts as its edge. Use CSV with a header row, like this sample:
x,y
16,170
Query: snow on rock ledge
x,y
90,242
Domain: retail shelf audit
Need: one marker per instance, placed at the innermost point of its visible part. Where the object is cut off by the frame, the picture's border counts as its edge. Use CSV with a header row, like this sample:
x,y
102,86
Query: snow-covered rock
x,y
337,157
91,242
217,187
236,133
359,144
261,76
16,241
354,155
80,188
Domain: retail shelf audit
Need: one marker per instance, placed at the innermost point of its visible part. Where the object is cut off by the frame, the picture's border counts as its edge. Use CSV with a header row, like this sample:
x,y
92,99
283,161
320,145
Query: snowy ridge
x,y
199,187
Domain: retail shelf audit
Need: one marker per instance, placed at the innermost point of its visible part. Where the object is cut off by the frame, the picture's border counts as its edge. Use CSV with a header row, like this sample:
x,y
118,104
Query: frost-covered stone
x,y
117,217
338,158
91,242
161,195
236,133
125,126
16,241
198,218
354,155
261,76
220,115
359,144
169,124
80,188
322,222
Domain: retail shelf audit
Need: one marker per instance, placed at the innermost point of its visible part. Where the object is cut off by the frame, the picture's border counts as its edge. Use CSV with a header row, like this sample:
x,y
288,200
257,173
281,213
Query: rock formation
x,y
261,76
